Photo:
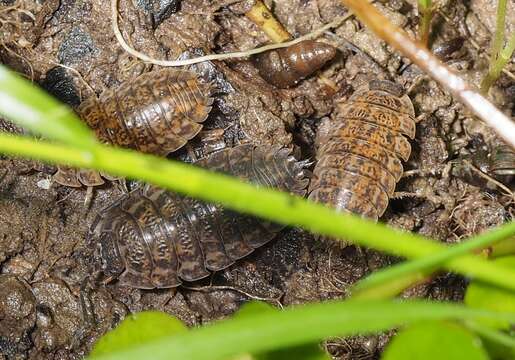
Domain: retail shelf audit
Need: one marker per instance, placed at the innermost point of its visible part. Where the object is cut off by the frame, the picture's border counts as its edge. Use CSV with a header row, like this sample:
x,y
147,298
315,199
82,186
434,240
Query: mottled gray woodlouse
x,y
359,161
157,113
152,238
286,67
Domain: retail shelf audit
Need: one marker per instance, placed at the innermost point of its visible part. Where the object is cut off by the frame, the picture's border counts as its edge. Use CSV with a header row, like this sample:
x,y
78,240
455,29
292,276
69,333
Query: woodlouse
x,y
157,113
359,162
285,67
151,238
503,160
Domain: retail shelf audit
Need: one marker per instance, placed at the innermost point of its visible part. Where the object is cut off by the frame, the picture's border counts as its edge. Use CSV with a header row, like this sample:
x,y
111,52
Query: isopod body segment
x,y
360,161
157,113
152,238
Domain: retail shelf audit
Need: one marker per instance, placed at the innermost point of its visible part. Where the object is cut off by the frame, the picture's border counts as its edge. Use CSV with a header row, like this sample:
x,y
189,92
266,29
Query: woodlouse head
x,y
387,86
106,256
395,90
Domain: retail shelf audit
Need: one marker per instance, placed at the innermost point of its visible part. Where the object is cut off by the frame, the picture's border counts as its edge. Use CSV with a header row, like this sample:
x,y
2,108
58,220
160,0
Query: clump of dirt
x,y
69,48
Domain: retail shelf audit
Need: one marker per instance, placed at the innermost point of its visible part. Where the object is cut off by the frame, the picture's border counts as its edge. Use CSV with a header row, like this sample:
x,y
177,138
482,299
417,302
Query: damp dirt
x,y
69,49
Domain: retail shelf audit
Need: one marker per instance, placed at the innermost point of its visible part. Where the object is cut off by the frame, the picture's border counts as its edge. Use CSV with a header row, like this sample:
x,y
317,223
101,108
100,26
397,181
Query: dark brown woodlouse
x,y
157,113
152,238
285,67
359,162
503,161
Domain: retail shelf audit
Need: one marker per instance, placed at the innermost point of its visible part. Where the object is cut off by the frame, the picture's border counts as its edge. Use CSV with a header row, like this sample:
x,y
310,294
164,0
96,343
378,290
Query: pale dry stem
x,y
239,54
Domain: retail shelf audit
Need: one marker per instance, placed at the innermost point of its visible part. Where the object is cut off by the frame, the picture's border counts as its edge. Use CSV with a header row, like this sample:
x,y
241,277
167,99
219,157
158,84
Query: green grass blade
x,y
391,281
424,4
295,326
499,31
36,111
245,198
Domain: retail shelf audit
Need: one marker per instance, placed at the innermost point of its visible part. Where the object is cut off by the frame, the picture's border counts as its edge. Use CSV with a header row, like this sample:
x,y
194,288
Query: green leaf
x,y
253,308
265,331
136,330
424,4
435,340
33,109
484,296
303,352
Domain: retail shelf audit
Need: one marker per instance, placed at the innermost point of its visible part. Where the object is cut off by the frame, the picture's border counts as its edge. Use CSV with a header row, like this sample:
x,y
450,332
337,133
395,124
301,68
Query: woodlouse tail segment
x,y
90,177
344,200
286,67
72,177
66,176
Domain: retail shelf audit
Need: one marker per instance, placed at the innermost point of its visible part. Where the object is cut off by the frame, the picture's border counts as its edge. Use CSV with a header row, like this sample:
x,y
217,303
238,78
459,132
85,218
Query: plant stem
x,y
497,65
499,31
426,10
245,198
426,61
266,21
36,111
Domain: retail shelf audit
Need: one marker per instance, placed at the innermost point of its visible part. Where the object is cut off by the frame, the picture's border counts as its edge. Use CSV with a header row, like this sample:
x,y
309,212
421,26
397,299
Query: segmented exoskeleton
x,y
503,160
359,161
157,113
152,238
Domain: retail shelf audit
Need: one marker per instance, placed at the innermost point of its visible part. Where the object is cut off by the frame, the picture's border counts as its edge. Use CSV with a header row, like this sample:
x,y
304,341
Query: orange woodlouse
x,y
285,67
359,162
157,113
151,238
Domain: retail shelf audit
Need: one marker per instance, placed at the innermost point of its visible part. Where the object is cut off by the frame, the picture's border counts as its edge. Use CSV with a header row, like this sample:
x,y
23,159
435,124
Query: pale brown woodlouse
x,y
285,67
157,113
152,238
359,162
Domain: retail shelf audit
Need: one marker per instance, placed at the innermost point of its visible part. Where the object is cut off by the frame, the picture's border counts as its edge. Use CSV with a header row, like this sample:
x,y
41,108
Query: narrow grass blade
x,y
36,111
245,198
295,326
391,281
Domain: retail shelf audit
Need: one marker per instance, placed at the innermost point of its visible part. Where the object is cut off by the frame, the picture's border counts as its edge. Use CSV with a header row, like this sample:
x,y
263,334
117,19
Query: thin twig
x,y
489,178
429,63
239,54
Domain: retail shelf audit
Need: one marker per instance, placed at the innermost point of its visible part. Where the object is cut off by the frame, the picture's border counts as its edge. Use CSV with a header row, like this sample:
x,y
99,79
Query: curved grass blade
x,y
268,331
393,280
38,112
266,203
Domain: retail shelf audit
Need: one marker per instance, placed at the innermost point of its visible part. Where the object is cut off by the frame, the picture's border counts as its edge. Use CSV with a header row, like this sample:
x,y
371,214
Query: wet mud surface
x,y
44,256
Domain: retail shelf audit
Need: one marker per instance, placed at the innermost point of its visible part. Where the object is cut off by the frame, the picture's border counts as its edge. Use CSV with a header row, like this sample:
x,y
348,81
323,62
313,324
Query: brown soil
x,y
43,254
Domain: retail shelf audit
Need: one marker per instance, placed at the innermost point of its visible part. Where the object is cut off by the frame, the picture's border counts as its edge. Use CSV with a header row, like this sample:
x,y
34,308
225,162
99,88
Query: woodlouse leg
x,y
191,152
88,197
